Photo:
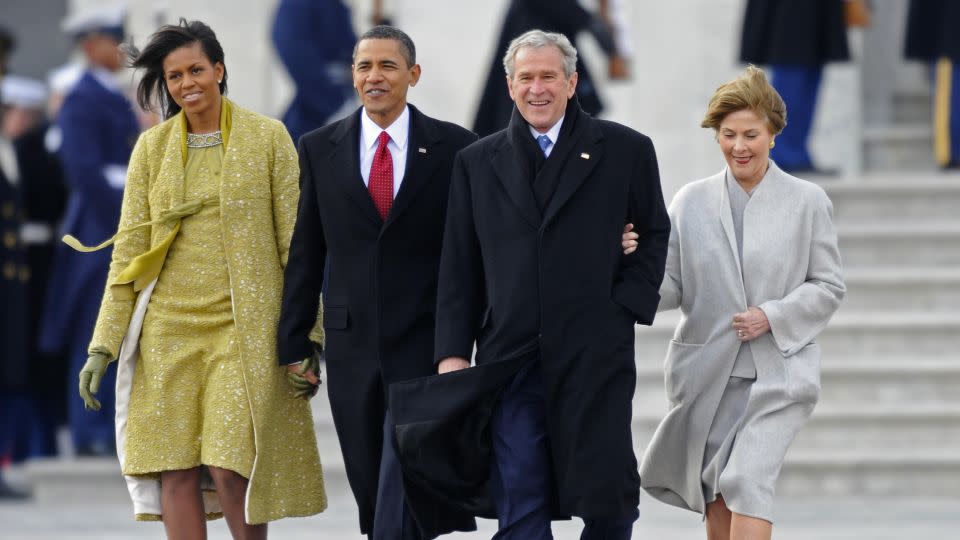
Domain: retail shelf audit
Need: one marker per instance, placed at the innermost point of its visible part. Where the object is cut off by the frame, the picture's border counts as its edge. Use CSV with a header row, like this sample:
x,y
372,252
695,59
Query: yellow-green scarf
x,y
146,267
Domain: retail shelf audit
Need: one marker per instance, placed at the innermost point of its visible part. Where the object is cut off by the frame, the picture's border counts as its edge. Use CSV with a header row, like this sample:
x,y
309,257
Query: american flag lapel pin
x,y
584,155
422,150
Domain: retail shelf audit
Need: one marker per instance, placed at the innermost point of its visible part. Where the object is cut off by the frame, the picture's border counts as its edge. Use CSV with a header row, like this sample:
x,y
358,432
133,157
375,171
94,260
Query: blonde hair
x,y
752,91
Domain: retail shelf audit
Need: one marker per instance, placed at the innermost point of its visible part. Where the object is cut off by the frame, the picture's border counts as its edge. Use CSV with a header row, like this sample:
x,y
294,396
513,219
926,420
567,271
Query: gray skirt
x,y
722,434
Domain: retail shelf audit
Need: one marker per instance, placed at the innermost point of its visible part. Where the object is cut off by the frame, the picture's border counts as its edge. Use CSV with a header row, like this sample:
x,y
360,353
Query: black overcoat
x,y
932,30
379,290
564,16
514,278
794,32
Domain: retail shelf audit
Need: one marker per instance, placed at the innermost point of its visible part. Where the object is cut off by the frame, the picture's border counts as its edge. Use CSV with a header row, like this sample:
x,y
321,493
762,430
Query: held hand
x,y
751,324
452,363
303,376
90,376
629,239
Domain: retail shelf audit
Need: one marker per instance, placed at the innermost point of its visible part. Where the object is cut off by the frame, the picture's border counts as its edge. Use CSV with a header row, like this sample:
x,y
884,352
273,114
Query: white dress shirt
x,y
399,132
553,133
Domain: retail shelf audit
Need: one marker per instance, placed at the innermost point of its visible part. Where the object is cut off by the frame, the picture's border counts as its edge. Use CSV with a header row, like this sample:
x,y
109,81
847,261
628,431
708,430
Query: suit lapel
x,y
505,159
345,165
585,151
423,157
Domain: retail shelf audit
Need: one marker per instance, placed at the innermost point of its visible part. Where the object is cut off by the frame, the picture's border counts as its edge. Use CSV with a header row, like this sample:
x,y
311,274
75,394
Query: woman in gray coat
x,y
753,266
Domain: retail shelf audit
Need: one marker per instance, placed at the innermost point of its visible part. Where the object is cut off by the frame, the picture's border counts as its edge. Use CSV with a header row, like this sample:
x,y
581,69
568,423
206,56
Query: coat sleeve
x,y
115,313
801,315
303,275
460,290
285,190
671,290
641,272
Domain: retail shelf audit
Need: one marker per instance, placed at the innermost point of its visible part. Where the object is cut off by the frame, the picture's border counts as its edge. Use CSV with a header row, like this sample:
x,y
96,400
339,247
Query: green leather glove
x,y
90,377
306,379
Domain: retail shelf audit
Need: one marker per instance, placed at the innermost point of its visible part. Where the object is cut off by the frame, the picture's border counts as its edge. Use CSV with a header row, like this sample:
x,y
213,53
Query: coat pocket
x,y
335,317
803,374
679,375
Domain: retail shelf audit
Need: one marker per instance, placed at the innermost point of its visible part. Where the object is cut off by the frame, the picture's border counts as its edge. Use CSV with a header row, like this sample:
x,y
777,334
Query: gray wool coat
x,y
792,271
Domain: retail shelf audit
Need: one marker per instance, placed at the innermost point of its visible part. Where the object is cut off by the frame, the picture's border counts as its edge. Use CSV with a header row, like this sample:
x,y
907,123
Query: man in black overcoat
x,y
368,235
532,274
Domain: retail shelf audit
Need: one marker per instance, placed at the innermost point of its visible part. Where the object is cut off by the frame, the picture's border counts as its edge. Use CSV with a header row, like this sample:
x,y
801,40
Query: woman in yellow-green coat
x,y
207,423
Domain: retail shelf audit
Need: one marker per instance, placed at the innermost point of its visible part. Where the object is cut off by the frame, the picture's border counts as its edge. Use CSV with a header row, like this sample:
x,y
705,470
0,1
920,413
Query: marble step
x,y
887,384
836,429
906,146
902,289
912,107
896,197
852,336
900,245
872,472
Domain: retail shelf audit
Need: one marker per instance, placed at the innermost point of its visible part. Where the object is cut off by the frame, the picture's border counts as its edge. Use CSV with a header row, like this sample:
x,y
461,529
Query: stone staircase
x,y
888,422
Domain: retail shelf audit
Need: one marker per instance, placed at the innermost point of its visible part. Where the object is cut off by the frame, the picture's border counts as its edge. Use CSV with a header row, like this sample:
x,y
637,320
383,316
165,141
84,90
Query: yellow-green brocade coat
x,y
259,192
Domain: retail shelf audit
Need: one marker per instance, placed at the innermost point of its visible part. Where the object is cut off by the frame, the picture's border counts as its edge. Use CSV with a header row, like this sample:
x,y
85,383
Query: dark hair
x,y
407,49
164,41
7,42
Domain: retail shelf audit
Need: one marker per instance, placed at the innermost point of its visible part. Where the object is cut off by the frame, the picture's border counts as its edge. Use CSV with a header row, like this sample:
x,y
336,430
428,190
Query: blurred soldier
x,y
98,129
314,39
13,291
795,38
932,37
41,198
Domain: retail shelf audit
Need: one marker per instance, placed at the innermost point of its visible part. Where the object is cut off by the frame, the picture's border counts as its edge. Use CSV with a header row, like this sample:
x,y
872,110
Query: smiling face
x,y
382,77
539,86
192,82
745,141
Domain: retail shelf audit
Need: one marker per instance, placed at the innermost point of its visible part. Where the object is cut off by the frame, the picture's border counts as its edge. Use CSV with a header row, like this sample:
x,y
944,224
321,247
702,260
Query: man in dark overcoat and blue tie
x,y
532,273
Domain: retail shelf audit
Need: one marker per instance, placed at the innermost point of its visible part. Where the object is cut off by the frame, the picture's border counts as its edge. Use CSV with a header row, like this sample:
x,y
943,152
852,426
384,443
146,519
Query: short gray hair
x,y
538,39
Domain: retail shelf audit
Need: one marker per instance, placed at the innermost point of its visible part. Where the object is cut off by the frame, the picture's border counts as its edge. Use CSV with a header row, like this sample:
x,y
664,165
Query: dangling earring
x,y
221,80
772,144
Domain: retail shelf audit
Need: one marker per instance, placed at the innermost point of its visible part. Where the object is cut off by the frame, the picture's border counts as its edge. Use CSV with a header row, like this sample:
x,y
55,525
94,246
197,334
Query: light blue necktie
x,y
544,142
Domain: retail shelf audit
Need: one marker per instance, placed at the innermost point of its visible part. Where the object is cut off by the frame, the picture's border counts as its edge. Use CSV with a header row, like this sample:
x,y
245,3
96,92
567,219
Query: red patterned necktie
x,y
381,177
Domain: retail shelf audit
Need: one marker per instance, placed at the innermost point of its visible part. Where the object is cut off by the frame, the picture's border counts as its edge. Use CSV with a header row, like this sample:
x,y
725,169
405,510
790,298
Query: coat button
x,y
9,240
24,274
9,271
8,210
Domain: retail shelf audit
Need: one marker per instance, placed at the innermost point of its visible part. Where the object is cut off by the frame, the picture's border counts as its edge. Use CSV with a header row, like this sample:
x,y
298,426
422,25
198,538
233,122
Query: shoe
x,y
9,493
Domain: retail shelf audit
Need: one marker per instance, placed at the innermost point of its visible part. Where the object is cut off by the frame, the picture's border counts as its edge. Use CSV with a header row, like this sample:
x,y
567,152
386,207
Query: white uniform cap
x,y
23,92
105,19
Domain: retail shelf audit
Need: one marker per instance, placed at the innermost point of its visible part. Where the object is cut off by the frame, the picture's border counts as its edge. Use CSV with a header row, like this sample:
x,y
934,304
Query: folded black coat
x,y
443,439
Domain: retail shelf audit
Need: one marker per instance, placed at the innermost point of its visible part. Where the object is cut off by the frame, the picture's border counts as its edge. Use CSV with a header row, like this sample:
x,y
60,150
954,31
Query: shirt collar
x,y
105,78
553,132
398,130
